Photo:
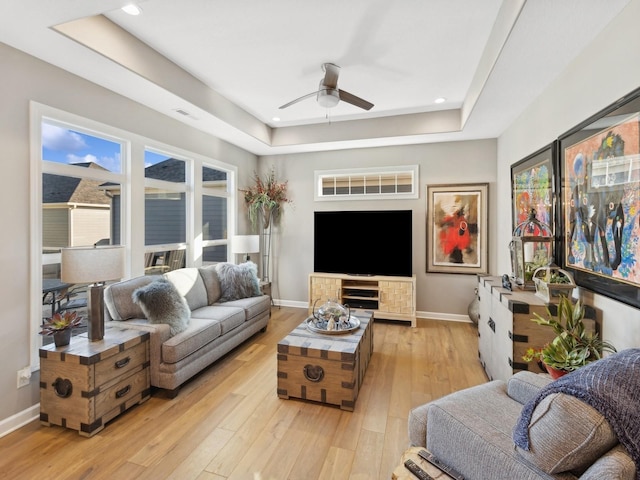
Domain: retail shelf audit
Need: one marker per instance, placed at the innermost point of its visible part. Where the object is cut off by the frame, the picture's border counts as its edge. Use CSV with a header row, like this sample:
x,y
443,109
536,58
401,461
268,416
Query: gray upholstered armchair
x,y
472,431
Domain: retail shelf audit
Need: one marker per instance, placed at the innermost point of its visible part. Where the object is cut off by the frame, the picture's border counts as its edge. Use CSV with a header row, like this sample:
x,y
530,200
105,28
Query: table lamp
x,y
93,266
245,244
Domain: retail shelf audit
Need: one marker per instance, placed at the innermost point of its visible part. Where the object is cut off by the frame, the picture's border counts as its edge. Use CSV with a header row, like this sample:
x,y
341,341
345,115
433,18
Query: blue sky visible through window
x,y
62,145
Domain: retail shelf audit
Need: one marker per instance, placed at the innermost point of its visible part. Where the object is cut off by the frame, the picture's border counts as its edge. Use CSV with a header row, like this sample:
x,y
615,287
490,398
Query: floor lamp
x,y
245,244
93,266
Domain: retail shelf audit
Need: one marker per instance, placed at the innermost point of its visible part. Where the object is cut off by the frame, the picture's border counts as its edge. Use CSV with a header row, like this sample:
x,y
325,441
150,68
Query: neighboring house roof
x,y
173,170
63,189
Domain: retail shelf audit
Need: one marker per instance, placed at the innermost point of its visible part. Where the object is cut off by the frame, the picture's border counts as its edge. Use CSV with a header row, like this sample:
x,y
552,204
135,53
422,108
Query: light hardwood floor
x,y
228,422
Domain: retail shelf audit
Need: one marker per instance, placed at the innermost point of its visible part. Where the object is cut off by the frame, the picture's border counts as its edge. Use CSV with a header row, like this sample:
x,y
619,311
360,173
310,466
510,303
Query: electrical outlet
x,y
24,376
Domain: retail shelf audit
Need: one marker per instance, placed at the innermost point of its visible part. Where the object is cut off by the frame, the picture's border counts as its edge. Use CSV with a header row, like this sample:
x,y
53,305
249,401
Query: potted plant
x,y
551,281
60,326
573,347
265,197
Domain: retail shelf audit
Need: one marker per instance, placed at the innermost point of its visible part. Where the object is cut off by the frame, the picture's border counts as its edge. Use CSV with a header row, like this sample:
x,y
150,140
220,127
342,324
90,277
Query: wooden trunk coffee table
x,y
326,368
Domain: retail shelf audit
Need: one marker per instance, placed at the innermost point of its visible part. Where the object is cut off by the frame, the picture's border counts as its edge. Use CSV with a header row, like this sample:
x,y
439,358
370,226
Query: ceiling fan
x,y
328,94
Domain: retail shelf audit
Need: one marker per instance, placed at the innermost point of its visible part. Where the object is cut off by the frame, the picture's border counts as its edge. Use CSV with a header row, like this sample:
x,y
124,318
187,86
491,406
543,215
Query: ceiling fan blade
x,y
353,100
308,95
331,73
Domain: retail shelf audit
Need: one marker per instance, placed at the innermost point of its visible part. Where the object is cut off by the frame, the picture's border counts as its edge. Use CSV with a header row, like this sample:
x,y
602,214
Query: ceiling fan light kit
x,y
329,95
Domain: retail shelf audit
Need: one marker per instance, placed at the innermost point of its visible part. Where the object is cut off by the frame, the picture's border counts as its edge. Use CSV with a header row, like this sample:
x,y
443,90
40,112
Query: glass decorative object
x,y
531,248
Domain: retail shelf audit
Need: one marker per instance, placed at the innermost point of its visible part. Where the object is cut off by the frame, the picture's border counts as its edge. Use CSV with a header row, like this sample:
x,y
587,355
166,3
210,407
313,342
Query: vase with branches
x,y
265,198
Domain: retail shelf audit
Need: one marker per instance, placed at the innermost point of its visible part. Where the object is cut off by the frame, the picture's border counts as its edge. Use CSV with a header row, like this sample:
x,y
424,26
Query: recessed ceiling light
x,y
440,100
276,119
132,9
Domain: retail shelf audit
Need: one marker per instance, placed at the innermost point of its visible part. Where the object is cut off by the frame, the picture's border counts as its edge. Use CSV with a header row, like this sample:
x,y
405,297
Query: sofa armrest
x,y
523,386
616,463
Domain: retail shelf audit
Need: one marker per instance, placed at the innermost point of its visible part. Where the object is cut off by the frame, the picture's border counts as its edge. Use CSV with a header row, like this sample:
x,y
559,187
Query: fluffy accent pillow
x,y
238,281
161,303
117,298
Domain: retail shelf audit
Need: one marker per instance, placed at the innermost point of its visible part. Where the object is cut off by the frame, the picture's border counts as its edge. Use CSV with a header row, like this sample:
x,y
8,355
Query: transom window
x,y
381,183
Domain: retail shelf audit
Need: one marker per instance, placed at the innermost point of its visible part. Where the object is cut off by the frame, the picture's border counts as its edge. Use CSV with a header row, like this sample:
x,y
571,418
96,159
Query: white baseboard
x,y
20,419
290,303
449,317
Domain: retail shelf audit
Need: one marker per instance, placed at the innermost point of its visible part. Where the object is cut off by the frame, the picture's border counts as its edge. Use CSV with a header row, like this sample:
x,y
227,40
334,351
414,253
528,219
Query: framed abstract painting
x,y
533,187
600,194
457,228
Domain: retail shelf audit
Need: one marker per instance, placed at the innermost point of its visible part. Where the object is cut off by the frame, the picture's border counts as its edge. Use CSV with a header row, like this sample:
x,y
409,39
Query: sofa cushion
x,y
566,434
252,306
524,386
211,283
190,285
118,300
228,317
162,303
238,281
199,333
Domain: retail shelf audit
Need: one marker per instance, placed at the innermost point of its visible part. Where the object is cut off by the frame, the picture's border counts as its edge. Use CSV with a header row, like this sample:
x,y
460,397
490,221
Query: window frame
x,y
133,184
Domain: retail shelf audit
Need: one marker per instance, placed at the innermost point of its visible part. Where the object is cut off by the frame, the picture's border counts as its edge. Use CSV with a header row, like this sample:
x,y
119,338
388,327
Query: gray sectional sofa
x,y
472,431
214,328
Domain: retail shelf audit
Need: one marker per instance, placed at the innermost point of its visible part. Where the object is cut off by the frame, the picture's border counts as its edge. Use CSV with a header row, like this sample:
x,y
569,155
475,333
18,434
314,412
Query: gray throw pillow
x,y
238,281
566,434
161,303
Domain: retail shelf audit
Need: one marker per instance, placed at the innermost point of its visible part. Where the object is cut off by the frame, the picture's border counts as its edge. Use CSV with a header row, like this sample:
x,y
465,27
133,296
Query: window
x,y
215,207
165,211
382,183
95,184
79,171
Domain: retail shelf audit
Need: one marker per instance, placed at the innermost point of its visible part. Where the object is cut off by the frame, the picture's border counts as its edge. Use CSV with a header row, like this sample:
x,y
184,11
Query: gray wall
x,y
438,294
25,78
605,71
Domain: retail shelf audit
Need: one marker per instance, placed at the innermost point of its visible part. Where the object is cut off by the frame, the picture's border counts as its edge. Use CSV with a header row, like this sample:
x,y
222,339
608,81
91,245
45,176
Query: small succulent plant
x,y
59,322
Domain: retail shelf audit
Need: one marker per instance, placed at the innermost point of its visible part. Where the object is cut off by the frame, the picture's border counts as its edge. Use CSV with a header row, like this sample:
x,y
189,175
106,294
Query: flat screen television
x,y
367,242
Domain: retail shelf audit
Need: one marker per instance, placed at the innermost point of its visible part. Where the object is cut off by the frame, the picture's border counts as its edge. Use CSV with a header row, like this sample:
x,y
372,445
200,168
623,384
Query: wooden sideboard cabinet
x,y
86,384
390,298
505,329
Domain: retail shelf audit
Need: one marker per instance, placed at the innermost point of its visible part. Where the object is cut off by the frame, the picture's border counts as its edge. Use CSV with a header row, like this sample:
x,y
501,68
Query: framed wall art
x,y
533,187
457,228
600,194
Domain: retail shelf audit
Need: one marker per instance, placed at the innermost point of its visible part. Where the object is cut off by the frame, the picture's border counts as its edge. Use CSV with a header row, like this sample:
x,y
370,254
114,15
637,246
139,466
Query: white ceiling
x,y
229,64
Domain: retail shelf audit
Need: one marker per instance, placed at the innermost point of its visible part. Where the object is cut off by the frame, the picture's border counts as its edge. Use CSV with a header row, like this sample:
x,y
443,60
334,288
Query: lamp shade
x,y
92,264
245,244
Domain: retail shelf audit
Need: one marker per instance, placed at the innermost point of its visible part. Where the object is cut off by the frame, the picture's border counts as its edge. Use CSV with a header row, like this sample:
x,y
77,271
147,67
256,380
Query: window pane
x,y
159,262
164,217
78,212
214,218
162,167
214,254
63,145
215,179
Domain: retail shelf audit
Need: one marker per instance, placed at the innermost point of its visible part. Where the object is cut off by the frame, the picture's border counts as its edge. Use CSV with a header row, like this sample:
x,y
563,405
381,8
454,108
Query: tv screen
x,y
363,242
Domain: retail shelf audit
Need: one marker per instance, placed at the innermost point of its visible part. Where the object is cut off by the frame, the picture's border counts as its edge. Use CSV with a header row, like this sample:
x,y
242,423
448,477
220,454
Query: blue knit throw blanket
x,y
611,386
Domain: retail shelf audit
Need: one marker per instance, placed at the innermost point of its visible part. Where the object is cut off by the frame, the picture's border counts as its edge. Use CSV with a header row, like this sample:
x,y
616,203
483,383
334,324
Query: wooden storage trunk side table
x,y
325,368
85,384
402,473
